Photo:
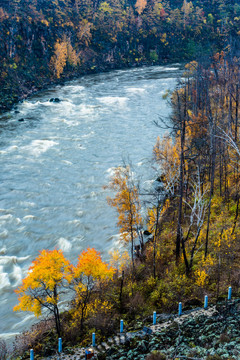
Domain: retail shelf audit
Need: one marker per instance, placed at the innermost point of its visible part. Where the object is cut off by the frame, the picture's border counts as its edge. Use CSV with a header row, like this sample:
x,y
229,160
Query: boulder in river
x,y
21,120
55,100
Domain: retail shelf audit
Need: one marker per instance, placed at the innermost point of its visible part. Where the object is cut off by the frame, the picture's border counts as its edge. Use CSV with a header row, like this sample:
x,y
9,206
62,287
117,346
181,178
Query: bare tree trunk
x,y
183,130
56,314
121,290
155,240
213,163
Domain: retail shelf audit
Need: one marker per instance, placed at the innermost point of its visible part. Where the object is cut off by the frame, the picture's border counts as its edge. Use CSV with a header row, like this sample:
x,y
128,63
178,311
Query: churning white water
x,y
54,165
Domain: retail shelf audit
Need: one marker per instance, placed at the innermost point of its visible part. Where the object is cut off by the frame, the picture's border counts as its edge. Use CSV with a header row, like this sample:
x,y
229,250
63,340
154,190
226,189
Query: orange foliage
x,y
49,272
90,274
140,6
90,265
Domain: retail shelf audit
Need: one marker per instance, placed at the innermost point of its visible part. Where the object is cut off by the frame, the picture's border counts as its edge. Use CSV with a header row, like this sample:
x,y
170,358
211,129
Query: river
x,y
55,163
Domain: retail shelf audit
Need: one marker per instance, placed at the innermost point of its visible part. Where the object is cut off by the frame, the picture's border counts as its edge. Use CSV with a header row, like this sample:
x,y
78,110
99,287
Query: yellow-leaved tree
x,y
140,6
128,206
63,54
89,275
41,288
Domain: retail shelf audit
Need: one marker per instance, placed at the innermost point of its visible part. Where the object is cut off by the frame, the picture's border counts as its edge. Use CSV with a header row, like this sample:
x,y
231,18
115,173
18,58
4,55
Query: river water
x,y
54,165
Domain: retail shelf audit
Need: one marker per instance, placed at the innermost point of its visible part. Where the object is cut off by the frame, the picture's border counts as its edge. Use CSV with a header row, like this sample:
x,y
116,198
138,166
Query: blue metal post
x,y
180,309
31,354
205,302
154,318
121,326
93,340
59,345
230,293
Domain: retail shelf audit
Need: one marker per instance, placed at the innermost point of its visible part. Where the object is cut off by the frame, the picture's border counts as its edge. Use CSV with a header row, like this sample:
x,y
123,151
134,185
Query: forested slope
x,y
42,41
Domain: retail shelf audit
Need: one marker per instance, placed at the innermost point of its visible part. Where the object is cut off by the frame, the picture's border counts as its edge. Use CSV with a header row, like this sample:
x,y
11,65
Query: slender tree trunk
x,y
183,129
236,116
236,216
56,313
155,241
121,290
213,163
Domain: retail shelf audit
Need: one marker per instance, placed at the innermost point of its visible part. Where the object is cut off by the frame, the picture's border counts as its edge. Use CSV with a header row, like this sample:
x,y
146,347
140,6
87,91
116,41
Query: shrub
x,y
214,357
3,350
40,338
224,338
156,355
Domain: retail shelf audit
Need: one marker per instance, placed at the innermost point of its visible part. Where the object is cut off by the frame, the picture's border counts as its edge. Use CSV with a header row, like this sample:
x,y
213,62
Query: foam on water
x,y
4,279
110,171
6,217
8,336
113,100
85,136
64,244
30,105
74,88
27,204
85,110
75,222
4,234
38,147
6,260
16,275
29,217
12,148
135,90
23,322
170,68
3,250
67,162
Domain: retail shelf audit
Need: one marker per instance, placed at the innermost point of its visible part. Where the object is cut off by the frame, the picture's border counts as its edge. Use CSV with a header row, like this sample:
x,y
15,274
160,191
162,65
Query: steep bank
x,y
44,42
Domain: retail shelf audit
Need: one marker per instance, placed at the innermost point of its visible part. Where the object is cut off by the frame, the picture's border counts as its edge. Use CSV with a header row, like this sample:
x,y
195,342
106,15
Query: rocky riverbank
x,y
199,334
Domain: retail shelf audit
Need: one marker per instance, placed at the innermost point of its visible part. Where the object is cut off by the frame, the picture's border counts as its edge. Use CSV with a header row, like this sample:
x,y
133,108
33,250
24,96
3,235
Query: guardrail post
x,y
230,293
60,345
121,326
93,340
205,302
154,318
31,354
180,309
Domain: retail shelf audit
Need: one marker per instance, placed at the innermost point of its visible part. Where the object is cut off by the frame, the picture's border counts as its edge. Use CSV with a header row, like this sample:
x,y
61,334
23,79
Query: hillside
x,y
43,41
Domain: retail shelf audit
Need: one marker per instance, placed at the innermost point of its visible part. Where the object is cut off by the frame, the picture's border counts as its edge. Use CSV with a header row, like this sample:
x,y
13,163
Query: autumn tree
x,y
128,206
44,284
140,6
84,33
63,54
90,274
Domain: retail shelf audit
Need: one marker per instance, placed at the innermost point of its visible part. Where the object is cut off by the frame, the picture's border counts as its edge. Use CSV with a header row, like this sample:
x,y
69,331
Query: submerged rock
x,y
55,100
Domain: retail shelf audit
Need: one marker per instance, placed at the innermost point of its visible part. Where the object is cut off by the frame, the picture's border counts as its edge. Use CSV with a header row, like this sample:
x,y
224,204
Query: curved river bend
x,y
54,165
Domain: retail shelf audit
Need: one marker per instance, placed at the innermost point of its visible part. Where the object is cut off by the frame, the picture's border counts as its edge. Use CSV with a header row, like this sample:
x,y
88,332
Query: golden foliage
x,y
50,270
90,265
89,274
140,6
152,215
127,203
63,54
119,260
166,154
